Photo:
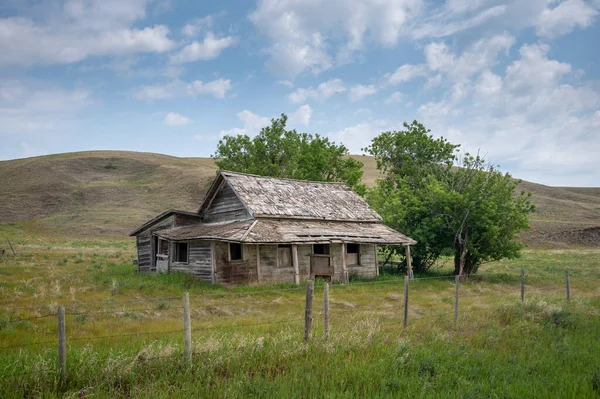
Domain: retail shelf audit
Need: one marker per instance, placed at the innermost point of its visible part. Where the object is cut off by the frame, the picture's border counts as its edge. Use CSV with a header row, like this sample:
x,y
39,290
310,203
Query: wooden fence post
x,y
522,285
568,285
310,289
406,301
62,344
187,329
409,270
456,284
326,309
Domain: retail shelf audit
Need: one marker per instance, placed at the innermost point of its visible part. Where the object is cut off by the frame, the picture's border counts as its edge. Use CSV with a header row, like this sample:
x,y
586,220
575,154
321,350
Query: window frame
x,y
279,265
178,252
328,246
241,259
358,253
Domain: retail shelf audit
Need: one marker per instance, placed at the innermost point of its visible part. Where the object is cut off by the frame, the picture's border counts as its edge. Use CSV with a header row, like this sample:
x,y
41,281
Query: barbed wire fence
x,y
400,315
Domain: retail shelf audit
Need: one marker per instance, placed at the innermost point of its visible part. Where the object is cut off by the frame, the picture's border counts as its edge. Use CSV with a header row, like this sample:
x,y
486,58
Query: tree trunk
x,y
460,256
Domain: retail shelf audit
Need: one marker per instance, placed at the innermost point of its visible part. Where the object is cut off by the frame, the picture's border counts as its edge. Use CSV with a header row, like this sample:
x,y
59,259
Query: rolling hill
x,y
109,193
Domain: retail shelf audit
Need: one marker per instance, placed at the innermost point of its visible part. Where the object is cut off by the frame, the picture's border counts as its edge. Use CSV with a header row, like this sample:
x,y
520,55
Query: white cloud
x,y
80,30
208,49
528,119
286,83
357,92
300,32
405,73
253,123
217,88
565,17
33,106
394,98
178,88
175,119
301,116
322,92
360,135
195,27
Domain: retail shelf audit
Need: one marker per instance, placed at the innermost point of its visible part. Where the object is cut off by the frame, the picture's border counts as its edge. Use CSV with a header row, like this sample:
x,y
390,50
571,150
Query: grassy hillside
x,y
109,193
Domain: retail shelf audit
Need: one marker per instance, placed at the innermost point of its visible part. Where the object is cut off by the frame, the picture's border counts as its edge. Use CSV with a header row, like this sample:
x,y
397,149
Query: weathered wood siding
x,y
185,220
225,206
243,271
270,270
145,246
368,262
144,249
199,262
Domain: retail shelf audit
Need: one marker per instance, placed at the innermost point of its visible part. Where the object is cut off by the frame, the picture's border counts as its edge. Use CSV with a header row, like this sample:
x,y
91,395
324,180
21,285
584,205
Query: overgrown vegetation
x,y
279,152
461,205
499,347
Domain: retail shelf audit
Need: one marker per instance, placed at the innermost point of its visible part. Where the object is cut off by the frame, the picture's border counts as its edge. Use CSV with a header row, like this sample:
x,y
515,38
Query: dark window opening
x,y
352,248
321,249
181,252
235,251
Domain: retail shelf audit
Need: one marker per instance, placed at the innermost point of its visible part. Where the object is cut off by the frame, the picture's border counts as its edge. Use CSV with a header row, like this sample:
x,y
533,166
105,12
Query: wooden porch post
x,y
295,263
258,276
213,261
344,266
409,270
376,260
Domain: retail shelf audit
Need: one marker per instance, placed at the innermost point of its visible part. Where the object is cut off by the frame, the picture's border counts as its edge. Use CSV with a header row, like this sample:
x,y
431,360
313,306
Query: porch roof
x,y
286,231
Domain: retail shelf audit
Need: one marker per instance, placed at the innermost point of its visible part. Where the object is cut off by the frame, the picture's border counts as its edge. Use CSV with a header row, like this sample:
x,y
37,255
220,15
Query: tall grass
x,y
499,348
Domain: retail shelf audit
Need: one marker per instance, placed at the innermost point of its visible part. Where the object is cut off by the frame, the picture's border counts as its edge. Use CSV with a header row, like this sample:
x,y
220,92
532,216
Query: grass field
x,y
124,330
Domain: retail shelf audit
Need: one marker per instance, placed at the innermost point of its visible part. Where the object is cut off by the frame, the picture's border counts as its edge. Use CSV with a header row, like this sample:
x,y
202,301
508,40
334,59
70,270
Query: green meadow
x,y
125,331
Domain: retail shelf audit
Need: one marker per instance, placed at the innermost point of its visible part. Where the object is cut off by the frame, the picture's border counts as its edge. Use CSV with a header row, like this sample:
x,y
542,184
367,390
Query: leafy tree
x,y
279,152
481,213
470,209
407,158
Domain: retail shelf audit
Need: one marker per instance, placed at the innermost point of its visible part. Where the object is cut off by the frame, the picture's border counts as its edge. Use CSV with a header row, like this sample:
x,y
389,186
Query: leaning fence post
x,y
456,284
187,328
406,301
523,285
326,309
568,285
62,344
310,289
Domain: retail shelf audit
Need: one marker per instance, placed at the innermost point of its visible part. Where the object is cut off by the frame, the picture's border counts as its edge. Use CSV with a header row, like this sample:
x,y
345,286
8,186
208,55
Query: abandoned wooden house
x,y
261,229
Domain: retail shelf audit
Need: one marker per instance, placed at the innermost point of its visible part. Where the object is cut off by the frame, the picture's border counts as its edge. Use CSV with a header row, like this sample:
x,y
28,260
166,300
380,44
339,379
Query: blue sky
x,y
518,81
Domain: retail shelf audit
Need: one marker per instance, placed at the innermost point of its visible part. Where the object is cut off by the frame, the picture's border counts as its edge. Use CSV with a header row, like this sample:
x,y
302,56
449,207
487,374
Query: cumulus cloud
x,y
405,73
357,92
78,31
253,123
178,88
300,32
195,27
565,17
208,49
175,119
28,106
301,116
322,92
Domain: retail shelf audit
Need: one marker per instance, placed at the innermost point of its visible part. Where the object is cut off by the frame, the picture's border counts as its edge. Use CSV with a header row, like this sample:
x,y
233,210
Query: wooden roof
x,y
297,199
273,231
161,217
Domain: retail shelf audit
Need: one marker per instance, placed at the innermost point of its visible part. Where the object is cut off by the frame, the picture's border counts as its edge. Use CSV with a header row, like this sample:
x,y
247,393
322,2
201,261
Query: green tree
x,y
481,213
470,210
279,152
407,159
